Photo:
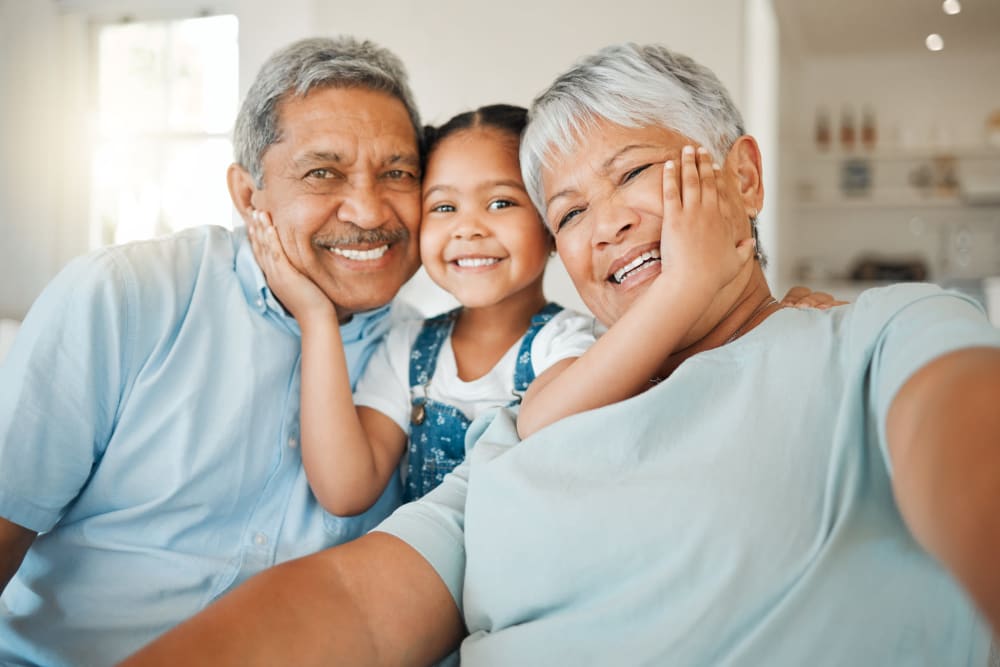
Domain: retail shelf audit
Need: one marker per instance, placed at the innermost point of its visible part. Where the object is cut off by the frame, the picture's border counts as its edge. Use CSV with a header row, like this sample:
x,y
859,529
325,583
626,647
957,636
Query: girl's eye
x,y
568,217
442,208
500,203
634,172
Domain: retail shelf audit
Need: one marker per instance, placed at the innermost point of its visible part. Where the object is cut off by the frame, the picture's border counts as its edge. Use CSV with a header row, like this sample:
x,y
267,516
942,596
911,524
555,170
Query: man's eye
x,y
398,175
568,217
634,172
319,173
500,203
442,208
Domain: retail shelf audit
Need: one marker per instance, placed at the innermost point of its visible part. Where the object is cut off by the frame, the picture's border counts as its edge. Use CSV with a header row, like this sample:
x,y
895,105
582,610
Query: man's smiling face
x,y
342,185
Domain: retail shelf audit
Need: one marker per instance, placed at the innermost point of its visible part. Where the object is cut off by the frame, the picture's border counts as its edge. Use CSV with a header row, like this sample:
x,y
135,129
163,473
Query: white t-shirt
x,y
385,384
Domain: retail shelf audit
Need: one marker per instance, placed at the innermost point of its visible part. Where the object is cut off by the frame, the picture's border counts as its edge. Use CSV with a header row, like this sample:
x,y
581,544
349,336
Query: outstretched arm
x,y
699,254
348,454
943,431
14,543
373,601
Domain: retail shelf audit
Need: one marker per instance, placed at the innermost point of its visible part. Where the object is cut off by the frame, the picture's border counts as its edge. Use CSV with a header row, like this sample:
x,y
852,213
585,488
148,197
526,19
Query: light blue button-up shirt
x,y
149,424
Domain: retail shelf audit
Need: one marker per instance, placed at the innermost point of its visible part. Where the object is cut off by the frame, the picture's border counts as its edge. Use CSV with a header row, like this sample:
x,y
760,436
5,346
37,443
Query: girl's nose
x,y
468,227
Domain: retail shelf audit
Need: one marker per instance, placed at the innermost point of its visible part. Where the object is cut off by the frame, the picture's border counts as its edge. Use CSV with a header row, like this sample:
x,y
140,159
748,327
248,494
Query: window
x,y
167,95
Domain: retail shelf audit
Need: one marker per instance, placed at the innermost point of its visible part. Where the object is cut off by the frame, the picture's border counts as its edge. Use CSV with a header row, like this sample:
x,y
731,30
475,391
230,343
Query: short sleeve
x,y
933,323
385,384
567,335
60,387
434,525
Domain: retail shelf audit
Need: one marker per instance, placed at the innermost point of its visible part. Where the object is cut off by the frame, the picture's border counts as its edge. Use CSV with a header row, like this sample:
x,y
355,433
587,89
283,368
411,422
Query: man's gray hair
x,y
342,62
633,86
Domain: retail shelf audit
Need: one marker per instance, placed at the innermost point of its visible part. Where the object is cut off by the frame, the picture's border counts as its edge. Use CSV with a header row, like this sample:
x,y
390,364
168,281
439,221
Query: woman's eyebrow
x,y
620,154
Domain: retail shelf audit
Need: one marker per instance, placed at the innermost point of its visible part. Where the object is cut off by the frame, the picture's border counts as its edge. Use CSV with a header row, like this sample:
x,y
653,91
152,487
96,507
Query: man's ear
x,y
242,190
744,158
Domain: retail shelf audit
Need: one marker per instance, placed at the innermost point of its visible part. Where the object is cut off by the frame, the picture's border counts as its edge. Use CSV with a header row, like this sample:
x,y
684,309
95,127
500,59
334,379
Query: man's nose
x,y
364,207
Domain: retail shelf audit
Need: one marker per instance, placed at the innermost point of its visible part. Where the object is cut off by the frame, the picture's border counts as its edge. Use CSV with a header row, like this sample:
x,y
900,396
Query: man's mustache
x,y
364,237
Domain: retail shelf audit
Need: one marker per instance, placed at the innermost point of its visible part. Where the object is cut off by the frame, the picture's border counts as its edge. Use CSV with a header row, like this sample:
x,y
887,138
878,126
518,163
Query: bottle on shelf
x,y
869,130
847,130
823,137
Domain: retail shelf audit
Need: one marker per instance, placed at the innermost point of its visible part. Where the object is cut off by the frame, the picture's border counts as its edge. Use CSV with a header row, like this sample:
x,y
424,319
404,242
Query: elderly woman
x,y
795,486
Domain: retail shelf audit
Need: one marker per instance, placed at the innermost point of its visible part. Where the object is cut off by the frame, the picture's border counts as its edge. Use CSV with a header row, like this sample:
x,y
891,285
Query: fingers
x,y
803,297
707,172
671,192
690,180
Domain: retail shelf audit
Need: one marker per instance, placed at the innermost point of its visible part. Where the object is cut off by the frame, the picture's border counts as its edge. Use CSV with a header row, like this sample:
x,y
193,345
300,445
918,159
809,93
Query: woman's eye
x,y
634,172
568,217
499,203
442,208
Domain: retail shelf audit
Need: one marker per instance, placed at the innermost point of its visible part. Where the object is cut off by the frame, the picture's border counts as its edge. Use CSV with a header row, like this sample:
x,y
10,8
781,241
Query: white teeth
x,y
361,255
635,264
471,262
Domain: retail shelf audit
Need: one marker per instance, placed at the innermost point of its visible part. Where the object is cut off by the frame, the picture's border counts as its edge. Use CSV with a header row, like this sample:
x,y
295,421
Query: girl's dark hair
x,y
504,117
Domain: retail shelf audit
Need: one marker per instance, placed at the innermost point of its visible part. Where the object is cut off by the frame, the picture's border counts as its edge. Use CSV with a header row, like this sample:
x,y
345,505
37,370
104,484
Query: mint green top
x,y
739,513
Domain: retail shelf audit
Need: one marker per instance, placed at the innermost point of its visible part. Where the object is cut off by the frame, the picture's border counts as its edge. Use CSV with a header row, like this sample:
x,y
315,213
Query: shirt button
x,y
293,443
260,303
260,539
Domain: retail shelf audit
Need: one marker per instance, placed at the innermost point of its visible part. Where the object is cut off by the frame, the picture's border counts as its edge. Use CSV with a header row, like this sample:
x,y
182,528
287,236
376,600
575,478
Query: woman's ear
x,y
745,159
241,190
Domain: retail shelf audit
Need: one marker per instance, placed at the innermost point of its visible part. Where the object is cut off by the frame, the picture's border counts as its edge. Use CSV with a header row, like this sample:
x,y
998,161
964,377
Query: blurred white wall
x,y
460,54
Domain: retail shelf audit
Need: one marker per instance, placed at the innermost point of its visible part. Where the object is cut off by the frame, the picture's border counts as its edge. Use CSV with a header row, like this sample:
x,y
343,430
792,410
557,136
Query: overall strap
x,y
524,370
427,346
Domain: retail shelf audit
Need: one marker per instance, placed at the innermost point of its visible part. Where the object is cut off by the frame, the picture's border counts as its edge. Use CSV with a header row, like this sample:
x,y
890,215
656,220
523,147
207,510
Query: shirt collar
x,y
260,298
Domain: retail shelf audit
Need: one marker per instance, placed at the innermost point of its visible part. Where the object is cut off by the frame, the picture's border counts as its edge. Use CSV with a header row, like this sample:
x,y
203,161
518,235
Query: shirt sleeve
x,y
60,388
434,525
567,335
933,322
385,384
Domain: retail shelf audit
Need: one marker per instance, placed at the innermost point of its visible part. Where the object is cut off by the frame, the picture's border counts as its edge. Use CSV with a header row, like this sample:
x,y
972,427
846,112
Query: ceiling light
x,y
934,42
951,7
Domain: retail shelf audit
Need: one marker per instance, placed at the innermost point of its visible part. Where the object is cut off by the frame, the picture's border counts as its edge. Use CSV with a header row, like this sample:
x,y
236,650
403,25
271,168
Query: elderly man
x,y
149,407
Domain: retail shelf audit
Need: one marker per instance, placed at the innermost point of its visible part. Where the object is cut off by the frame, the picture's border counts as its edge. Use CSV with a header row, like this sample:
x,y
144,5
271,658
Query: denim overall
x,y
437,430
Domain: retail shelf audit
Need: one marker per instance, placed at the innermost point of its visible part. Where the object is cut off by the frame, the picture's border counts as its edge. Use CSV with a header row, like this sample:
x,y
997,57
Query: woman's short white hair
x,y
633,86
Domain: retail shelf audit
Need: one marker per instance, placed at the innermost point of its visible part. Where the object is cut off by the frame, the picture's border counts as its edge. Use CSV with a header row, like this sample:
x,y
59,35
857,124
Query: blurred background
x,y
879,120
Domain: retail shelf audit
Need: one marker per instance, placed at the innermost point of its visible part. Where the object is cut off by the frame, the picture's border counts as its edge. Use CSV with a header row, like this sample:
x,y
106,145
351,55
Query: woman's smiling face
x,y
604,204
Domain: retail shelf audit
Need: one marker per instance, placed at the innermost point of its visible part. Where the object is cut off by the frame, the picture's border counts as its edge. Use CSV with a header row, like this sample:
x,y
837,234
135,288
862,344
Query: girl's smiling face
x,y
481,238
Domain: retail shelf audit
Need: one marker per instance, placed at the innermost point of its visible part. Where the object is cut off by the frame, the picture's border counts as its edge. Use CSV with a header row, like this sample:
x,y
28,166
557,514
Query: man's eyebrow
x,y
312,157
408,159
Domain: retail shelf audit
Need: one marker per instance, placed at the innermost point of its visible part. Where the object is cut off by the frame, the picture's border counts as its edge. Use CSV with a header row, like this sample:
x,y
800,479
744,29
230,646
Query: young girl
x,y
481,240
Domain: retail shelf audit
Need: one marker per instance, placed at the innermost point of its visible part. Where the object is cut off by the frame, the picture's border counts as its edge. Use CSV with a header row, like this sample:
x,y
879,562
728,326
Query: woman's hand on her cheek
x,y
699,243
295,291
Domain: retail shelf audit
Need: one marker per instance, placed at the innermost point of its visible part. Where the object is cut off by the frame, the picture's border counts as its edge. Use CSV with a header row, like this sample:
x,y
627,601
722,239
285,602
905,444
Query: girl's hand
x,y
301,296
699,243
803,297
